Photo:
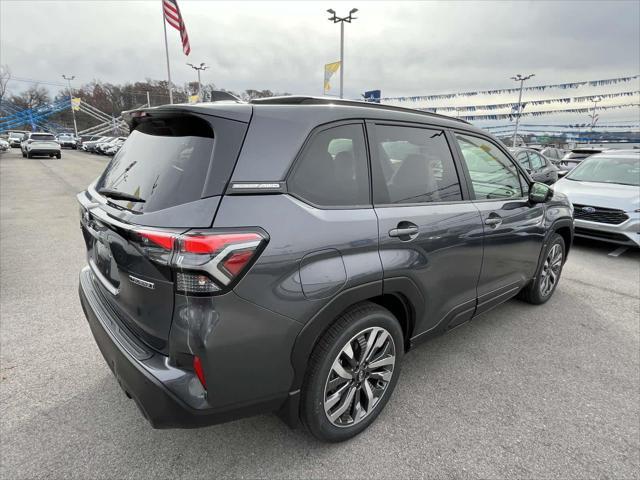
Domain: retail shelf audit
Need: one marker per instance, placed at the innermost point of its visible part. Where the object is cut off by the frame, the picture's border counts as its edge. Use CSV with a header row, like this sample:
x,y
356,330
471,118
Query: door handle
x,y
493,221
404,231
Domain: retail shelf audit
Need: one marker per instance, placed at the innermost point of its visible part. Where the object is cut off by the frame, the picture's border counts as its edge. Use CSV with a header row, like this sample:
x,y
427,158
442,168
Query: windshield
x,y
621,170
15,135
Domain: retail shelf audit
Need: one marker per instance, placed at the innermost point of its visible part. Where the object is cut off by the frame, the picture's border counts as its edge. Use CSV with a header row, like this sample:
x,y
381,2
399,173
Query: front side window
x,y
493,174
413,165
332,170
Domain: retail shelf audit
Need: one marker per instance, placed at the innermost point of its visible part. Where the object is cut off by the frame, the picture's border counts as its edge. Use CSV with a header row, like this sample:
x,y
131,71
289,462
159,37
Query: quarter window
x,y
333,169
537,161
493,174
413,165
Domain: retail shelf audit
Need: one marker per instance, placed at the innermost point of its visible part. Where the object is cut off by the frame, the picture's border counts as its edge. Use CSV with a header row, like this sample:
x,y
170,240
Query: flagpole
x,y
166,50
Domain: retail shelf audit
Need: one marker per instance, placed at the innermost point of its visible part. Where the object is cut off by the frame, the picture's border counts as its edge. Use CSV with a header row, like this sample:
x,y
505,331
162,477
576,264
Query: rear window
x,y
164,161
42,136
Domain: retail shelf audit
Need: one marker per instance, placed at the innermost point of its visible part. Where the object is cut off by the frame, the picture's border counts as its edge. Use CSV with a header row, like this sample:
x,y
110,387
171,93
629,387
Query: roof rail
x,y
308,100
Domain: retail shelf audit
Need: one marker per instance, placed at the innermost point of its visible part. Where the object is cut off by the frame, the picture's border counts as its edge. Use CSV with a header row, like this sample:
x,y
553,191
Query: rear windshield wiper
x,y
117,195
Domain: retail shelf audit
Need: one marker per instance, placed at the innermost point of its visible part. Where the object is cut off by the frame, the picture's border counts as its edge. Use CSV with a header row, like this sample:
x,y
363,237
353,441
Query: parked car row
x,y
104,145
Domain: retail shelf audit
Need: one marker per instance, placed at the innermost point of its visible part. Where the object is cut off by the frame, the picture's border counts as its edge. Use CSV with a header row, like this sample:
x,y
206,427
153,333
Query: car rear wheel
x,y
59,156
352,373
541,289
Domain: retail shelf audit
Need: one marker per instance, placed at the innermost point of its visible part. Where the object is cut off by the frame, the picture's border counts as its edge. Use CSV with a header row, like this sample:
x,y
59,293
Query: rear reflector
x,y
197,367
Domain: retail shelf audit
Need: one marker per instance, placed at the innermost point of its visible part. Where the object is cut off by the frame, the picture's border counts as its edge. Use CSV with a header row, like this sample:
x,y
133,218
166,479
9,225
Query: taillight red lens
x,y
237,261
197,367
214,243
162,239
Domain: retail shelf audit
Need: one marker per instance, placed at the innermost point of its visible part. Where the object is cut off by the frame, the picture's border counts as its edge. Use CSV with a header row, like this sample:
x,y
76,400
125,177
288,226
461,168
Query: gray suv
x,y
284,254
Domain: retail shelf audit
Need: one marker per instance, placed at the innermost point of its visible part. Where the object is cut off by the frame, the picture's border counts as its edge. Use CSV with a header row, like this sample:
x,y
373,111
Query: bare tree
x,y
5,76
34,96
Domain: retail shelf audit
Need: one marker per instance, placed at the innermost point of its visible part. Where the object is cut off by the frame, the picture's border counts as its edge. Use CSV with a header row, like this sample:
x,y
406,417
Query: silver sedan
x,y
605,192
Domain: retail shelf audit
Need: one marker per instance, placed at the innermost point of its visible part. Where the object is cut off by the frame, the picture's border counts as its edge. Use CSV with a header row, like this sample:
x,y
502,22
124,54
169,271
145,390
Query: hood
x,y
606,195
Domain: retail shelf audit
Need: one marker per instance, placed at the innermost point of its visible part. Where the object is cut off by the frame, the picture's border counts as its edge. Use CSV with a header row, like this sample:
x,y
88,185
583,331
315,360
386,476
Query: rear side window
x,y
164,162
413,165
332,170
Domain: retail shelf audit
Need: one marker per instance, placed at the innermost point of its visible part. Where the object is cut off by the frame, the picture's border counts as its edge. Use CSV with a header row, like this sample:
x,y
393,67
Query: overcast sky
x,y
402,48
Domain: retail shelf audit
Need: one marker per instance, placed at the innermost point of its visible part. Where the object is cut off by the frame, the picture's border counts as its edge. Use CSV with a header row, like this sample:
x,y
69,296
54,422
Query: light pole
x,y
335,19
199,69
521,79
73,112
593,116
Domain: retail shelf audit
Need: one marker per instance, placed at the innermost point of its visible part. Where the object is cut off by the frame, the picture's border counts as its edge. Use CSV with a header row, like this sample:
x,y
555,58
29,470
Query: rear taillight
x,y
205,262
223,257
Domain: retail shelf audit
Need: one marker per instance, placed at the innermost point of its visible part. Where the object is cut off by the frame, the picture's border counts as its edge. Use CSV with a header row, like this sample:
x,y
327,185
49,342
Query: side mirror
x,y
540,193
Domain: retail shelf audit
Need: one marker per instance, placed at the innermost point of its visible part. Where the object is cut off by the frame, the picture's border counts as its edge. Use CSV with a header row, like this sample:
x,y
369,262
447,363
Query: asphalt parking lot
x,y
545,392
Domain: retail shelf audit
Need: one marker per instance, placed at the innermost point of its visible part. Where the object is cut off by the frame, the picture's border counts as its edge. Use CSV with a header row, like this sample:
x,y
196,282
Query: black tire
x,y
58,156
24,155
347,329
29,155
534,293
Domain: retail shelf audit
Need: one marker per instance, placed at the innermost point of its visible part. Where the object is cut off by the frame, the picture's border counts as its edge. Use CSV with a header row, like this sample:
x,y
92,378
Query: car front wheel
x,y
542,287
352,373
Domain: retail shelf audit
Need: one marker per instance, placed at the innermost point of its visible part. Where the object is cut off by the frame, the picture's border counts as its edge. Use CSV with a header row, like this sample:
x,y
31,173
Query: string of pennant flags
x,y
549,101
562,86
556,125
505,116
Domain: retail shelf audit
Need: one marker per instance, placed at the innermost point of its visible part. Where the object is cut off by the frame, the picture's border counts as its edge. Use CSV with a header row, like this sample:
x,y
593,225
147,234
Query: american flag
x,y
174,18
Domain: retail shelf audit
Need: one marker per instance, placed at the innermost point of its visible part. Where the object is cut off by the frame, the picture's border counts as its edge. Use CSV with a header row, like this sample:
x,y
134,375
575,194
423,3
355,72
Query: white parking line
x,y
618,251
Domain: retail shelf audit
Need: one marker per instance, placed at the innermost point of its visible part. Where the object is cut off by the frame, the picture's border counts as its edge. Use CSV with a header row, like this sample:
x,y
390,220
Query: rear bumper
x,y
44,151
167,396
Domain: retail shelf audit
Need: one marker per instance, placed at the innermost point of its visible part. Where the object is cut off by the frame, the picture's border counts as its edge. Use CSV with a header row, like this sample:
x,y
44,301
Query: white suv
x,y
40,144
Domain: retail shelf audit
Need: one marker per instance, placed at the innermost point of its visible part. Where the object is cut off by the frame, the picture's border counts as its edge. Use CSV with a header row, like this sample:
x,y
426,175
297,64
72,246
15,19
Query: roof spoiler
x,y
133,117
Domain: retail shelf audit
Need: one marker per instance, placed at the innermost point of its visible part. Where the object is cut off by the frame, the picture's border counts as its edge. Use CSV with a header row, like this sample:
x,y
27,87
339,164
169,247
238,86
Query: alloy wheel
x,y
551,270
359,377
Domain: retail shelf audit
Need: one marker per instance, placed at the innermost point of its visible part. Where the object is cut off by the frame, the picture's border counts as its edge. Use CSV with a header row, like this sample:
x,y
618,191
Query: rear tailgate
x,y
43,142
166,179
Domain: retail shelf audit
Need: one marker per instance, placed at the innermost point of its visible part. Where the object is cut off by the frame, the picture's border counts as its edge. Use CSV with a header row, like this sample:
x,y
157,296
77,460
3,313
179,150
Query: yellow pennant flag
x,y
329,70
75,104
